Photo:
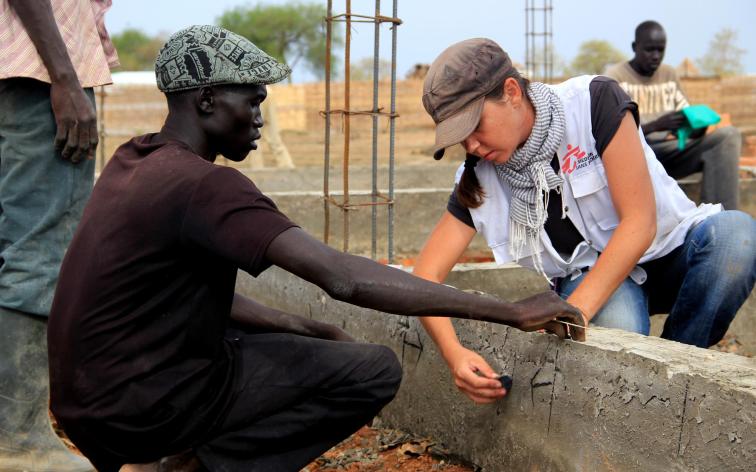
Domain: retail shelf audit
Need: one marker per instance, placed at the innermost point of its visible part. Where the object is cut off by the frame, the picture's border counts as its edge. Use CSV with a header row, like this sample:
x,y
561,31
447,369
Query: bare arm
x,y
362,282
75,116
633,198
442,250
255,317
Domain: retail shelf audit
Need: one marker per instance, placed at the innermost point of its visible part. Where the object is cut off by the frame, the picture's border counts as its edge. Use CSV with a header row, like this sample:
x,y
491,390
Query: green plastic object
x,y
698,116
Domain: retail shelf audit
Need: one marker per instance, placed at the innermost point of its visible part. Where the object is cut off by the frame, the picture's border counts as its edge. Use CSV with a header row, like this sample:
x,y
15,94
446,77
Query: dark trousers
x,y
297,398
715,154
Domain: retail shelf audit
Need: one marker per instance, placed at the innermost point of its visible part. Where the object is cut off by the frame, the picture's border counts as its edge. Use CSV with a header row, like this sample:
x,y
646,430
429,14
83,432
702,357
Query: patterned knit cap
x,y
210,55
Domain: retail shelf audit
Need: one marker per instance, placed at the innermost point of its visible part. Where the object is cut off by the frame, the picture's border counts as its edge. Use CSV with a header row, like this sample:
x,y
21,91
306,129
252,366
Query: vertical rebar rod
x,y
533,38
327,140
528,53
527,30
551,40
374,198
545,45
392,129
347,78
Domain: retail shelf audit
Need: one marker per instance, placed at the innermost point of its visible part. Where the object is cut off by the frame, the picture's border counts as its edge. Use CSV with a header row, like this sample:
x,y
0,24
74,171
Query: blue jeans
x,y
701,284
42,197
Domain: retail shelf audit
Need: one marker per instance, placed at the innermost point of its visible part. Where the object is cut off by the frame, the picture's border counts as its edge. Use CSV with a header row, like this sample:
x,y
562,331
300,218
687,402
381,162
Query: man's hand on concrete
x,y
545,311
76,120
474,377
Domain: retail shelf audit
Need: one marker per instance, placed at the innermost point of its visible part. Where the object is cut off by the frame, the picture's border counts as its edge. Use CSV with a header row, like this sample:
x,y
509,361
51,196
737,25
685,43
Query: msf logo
x,y
570,160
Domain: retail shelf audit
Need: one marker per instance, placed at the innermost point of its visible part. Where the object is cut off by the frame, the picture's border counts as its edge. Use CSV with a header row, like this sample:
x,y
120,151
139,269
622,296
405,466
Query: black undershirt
x,y
608,106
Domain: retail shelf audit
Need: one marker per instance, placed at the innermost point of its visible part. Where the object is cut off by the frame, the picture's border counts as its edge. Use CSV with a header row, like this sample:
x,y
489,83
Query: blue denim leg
x,y
626,309
42,197
717,264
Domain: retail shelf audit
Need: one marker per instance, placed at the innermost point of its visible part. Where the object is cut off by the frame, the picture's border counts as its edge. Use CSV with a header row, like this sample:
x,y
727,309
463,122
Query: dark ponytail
x,y
469,192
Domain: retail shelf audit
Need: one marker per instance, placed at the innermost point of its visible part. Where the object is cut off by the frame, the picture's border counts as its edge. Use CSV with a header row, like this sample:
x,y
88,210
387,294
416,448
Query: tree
x,y
290,32
363,69
136,50
724,56
593,57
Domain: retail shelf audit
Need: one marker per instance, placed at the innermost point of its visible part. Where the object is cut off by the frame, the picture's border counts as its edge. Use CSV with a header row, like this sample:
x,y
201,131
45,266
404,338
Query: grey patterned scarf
x,y
530,176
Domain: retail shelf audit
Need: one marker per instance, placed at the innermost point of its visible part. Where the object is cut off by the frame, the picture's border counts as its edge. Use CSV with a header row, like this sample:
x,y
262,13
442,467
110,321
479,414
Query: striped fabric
x,y
81,24
529,174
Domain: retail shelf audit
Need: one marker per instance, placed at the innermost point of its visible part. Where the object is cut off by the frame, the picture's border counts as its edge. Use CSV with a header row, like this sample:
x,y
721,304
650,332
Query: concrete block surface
x,y
618,402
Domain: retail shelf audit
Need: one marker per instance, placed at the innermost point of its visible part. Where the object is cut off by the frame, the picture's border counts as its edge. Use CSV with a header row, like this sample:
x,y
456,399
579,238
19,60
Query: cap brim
x,y
457,127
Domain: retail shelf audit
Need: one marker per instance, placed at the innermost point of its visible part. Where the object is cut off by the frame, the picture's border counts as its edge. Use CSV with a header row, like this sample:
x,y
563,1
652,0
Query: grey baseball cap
x,y
210,55
456,85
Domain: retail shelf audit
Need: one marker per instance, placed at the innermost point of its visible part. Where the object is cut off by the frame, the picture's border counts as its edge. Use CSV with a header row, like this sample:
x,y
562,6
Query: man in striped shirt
x,y
52,54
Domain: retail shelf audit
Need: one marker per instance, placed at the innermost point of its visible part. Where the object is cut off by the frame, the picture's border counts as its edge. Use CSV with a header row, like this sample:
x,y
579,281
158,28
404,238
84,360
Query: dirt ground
x,y
377,449
373,450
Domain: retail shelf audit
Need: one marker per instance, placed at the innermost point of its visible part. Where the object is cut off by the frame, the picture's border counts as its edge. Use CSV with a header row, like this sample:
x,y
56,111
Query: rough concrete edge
x,y
699,408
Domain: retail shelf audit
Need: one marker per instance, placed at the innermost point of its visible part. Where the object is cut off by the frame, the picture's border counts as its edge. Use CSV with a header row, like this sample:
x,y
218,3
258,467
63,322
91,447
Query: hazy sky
x,y
429,26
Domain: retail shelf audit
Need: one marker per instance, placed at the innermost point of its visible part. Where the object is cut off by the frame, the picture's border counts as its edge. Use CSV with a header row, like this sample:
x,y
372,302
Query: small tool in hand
x,y
506,381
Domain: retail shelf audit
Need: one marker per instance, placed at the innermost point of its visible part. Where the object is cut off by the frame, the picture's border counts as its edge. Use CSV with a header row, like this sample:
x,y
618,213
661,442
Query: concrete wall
x,y
618,402
419,204
416,212
512,282
299,105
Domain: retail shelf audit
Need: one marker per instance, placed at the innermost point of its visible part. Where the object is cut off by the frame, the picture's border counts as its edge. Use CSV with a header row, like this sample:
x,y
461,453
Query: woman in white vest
x,y
560,179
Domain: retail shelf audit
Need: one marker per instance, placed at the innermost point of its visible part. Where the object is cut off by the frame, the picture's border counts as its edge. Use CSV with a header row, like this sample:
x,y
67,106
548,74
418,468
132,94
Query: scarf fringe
x,y
521,235
531,177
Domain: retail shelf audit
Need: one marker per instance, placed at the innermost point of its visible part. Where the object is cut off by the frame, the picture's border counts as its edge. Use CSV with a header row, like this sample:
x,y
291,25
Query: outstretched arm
x,y
255,317
75,117
362,282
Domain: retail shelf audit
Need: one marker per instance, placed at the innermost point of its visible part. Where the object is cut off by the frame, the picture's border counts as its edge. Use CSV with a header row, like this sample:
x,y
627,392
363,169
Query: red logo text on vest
x,y
570,160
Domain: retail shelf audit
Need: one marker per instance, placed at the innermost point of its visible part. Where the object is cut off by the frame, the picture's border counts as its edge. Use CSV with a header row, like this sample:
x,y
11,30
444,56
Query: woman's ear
x,y
512,91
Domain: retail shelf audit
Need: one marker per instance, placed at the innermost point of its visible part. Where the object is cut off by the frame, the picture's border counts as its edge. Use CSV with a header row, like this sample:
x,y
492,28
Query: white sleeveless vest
x,y
585,198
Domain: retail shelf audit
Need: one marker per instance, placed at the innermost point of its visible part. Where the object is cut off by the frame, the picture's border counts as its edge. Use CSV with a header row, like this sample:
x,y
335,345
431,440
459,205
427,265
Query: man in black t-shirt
x,y
152,354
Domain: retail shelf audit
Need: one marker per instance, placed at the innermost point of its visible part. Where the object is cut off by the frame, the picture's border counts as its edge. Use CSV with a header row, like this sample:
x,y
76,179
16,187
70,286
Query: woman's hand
x,y
474,377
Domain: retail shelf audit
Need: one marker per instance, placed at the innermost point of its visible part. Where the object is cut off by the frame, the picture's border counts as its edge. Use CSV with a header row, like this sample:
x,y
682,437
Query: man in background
x,y
52,54
657,91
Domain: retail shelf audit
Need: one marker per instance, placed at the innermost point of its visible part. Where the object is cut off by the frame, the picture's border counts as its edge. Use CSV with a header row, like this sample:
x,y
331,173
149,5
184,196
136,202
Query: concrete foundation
x,y
416,212
420,202
511,282
618,402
